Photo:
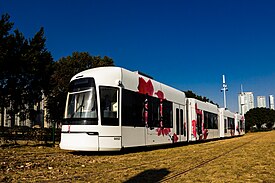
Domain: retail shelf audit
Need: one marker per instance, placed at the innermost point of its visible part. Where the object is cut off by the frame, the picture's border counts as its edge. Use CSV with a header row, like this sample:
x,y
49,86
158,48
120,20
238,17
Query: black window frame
x,y
210,120
231,123
104,120
182,130
167,114
81,84
133,110
132,113
177,121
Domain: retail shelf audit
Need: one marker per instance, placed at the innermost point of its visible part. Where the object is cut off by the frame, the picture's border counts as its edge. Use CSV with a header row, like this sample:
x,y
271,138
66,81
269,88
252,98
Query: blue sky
x,y
187,44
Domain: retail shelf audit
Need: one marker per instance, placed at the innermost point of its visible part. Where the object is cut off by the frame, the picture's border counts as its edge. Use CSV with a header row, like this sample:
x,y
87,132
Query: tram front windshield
x,y
81,103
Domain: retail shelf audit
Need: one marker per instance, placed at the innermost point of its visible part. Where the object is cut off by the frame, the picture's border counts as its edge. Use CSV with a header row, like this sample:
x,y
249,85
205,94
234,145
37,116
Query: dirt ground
x,y
250,158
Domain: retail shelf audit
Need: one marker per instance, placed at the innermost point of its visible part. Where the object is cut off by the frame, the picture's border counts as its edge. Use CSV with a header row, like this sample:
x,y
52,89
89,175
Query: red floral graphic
x,y
205,133
160,94
161,97
194,122
146,112
148,88
163,131
198,111
175,138
145,87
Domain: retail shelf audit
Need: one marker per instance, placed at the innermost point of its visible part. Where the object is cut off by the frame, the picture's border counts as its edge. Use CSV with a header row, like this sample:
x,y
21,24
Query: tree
x,y
39,69
25,69
41,63
258,117
15,74
271,119
12,69
64,70
190,94
5,27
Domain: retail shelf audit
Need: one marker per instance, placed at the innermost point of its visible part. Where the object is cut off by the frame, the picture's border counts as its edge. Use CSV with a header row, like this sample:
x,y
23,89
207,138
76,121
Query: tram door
x,y
199,125
180,126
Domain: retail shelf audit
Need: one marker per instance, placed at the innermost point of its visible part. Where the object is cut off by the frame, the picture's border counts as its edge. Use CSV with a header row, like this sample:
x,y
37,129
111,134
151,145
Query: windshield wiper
x,y
79,107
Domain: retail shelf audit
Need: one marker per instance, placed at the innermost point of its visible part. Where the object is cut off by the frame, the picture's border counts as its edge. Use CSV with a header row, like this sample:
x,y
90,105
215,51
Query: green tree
x,y
271,119
190,94
258,117
5,27
64,70
25,69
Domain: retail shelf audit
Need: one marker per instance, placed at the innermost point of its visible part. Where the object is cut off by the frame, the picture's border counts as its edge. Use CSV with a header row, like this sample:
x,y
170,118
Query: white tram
x,y
110,108
202,120
227,123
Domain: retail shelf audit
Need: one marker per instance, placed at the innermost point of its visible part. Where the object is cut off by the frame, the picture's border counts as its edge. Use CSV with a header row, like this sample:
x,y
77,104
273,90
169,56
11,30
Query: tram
x,y
202,120
110,108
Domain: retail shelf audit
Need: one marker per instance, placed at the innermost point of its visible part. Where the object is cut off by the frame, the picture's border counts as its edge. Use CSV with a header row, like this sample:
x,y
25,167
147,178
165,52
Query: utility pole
x,y
224,89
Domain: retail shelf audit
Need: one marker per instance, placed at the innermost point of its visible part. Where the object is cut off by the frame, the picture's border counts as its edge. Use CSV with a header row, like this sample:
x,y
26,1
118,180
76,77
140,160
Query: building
x,y
22,118
246,102
271,102
261,102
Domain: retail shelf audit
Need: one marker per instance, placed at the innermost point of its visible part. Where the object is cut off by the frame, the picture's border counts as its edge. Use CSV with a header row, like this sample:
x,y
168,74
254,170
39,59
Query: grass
x,y
250,158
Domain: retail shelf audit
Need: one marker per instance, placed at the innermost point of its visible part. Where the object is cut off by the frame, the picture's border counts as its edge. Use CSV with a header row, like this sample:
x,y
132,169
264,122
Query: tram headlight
x,y
92,133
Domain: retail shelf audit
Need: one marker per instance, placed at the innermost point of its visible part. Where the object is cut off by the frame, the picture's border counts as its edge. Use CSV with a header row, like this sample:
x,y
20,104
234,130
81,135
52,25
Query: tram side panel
x,y
202,120
132,126
227,123
147,111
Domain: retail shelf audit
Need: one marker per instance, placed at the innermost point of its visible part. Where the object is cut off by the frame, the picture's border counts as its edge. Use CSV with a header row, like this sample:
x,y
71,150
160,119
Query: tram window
x,y
153,111
225,126
132,108
109,106
167,113
177,122
206,119
215,121
210,120
231,123
82,105
182,131
199,123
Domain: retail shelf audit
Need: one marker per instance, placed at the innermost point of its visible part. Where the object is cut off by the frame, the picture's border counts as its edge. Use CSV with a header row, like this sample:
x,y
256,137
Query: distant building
x,y
261,102
271,102
22,118
246,102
